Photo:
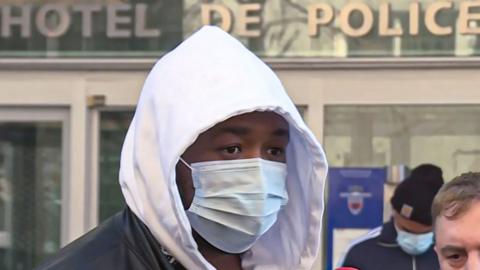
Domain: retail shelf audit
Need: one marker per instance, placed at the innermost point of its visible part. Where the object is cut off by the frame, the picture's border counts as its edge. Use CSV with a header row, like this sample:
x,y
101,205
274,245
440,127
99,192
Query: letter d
x,y
225,15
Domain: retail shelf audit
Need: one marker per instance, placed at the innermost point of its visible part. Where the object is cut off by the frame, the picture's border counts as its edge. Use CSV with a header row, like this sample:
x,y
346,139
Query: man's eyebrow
x,y
282,132
243,130
449,248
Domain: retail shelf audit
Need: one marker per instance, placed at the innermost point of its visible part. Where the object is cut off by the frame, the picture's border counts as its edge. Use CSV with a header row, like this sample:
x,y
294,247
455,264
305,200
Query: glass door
x,y
108,127
113,128
32,171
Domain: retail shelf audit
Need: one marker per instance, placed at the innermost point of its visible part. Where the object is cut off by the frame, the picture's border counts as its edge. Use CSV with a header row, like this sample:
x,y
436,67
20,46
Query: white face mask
x,y
236,201
414,244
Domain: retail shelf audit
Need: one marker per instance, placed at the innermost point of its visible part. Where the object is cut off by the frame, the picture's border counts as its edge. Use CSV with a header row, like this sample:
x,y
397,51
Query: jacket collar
x,y
388,236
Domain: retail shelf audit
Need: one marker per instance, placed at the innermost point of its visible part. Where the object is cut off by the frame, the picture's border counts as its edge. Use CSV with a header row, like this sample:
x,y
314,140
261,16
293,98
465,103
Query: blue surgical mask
x,y
414,244
236,201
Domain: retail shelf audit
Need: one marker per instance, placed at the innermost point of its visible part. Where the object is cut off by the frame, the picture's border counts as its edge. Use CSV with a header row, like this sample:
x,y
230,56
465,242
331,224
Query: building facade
x,y
379,83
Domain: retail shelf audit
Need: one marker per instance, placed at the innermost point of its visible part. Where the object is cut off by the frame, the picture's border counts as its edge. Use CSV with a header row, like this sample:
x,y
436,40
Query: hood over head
x,y
207,79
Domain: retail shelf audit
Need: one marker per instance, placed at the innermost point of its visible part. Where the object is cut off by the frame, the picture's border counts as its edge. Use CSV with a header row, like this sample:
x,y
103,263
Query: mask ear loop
x,y
186,164
190,167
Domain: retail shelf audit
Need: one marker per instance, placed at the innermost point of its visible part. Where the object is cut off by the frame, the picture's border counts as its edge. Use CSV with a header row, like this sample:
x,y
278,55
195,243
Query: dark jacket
x,y
381,251
121,243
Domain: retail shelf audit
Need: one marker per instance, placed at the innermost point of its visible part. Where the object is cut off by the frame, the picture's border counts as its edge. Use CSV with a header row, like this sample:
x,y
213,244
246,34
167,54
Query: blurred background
x,y
384,86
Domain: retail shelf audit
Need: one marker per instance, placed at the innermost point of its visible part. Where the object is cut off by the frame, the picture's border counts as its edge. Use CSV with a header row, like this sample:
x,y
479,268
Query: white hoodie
x,y
207,79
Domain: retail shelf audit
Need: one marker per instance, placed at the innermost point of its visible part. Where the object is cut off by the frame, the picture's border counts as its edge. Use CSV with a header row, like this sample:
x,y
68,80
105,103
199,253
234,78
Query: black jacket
x,y
121,243
382,252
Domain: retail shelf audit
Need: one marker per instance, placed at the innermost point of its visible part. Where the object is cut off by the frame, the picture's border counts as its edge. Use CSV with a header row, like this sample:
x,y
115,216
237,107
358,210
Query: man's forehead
x,y
410,225
243,123
462,229
255,116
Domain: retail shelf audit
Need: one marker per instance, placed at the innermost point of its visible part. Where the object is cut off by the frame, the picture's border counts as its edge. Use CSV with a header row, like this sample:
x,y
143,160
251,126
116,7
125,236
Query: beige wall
x,y
314,88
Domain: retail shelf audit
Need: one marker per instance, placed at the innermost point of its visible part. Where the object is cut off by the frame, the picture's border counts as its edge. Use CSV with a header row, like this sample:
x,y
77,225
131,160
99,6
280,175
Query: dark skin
x,y
251,135
410,225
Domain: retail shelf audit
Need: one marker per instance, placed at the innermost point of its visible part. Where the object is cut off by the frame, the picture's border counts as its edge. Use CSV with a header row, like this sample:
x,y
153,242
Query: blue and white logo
x,y
355,199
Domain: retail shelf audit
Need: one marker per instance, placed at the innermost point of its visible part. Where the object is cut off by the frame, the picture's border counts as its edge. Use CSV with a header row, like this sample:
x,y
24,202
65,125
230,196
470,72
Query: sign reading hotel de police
x,y
152,20
320,14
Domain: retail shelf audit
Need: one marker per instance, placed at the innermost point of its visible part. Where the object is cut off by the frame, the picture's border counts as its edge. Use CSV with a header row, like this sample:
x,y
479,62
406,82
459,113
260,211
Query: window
x,y
30,192
410,135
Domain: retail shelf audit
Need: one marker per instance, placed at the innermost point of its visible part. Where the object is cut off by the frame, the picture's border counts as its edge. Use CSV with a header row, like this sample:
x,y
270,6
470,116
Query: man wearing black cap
x,y
406,241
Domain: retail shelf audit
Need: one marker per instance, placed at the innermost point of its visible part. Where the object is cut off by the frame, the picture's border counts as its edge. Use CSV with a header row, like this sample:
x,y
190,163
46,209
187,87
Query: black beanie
x,y
414,196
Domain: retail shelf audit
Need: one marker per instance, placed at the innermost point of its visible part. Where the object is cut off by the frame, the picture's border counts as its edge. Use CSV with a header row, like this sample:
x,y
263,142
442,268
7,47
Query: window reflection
x,y
280,29
410,135
113,128
30,192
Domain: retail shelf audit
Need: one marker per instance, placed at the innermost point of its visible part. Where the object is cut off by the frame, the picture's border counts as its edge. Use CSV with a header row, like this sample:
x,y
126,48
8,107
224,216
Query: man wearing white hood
x,y
218,170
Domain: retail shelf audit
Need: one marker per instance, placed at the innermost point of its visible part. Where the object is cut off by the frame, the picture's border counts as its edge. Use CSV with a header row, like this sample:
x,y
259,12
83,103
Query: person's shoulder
x,y
98,249
368,239
361,246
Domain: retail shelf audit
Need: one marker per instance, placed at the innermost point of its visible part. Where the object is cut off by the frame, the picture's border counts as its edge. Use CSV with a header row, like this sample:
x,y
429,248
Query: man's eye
x,y
275,151
232,150
456,259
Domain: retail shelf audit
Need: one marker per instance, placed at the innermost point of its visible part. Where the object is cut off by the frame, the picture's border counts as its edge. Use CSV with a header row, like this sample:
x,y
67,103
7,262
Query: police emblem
x,y
355,203
355,199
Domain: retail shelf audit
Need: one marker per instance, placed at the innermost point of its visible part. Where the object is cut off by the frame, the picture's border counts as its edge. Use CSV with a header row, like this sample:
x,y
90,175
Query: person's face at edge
x,y
251,135
458,241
